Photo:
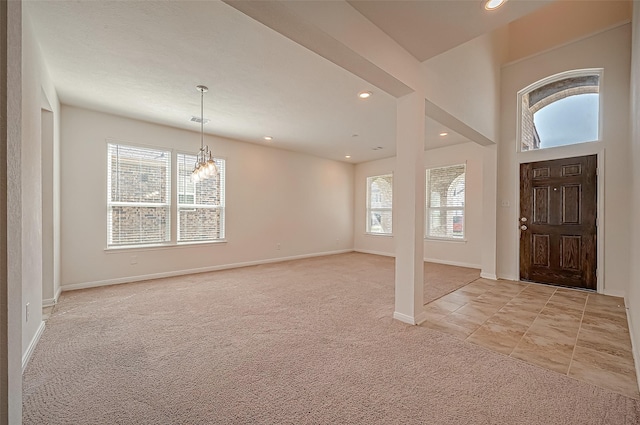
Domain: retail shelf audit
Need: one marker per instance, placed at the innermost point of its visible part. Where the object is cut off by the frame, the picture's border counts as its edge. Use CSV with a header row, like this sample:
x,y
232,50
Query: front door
x,y
558,222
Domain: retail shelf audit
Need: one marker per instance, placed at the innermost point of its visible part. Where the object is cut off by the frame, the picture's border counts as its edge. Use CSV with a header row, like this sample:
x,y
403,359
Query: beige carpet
x,y
302,342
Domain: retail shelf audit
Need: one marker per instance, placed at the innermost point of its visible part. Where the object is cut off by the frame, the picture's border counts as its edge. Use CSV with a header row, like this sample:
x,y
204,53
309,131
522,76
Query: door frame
x,y
572,151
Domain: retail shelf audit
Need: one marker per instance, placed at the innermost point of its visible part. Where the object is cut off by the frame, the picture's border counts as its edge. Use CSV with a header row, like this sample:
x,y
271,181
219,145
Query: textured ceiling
x,y
428,28
143,60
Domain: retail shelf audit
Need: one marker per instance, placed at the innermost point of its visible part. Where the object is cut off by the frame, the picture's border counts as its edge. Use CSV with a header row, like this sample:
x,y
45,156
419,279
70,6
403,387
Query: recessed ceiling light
x,y
364,94
268,138
347,156
493,4
444,133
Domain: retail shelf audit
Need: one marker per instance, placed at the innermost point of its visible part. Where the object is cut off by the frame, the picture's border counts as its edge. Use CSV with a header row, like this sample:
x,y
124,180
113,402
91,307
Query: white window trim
x,y
428,238
173,204
560,76
369,210
109,204
178,205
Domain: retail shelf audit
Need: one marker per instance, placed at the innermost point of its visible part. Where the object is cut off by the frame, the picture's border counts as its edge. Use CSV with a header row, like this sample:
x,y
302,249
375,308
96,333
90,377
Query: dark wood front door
x,y
558,222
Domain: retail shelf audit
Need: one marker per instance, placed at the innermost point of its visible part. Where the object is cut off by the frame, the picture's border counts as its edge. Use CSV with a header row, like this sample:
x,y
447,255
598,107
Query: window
x,y
138,196
561,110
201,204
379,204
445,202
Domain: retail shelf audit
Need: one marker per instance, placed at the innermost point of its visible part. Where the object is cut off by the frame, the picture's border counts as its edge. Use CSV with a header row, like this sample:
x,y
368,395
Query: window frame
x,y
445,209
550,79
172,206
370,210
222,207
110,204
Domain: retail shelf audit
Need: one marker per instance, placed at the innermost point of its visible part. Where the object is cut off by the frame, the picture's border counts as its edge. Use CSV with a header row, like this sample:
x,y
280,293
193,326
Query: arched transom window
x,y
560,110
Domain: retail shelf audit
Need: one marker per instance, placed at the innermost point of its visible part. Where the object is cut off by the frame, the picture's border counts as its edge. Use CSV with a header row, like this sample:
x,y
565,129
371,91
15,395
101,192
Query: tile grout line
x,y
575,344
485,321
467,303
534,320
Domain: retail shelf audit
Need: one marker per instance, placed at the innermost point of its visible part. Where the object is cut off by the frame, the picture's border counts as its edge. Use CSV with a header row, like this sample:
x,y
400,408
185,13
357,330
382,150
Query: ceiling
x,y
143,60
428,28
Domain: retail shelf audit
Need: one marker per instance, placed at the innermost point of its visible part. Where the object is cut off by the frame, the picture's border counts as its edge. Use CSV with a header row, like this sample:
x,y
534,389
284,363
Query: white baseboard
x,y
367,251
634,347
507,277
32,346
489,276
130,279
49,302
420,317
453,263
428,260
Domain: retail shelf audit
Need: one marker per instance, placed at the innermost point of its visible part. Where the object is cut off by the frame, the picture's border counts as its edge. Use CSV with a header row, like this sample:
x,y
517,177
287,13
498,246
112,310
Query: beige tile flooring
x,y
580,334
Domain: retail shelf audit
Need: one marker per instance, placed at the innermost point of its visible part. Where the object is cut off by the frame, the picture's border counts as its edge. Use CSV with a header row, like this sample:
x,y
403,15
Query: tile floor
x,y
579,334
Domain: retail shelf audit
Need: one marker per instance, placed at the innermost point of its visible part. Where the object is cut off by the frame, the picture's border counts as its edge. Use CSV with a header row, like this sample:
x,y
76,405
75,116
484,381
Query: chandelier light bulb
x,y
211,165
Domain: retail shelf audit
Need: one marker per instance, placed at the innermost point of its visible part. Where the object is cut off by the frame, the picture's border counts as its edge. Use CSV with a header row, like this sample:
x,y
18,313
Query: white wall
x,y
465,81
36,83
633,295
608,50
468,253
273,196
11,228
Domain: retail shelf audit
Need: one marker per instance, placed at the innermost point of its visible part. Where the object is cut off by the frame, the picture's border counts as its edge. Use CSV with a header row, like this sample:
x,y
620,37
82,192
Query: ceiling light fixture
x,y
205,165
444,133
364,94
347,156
268,138
493,4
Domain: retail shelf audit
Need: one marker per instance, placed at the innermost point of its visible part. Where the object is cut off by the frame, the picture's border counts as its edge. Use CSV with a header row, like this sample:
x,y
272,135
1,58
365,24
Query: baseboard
x,y
50,302
130,279
32,346
367,251
506,277
428,260
453,263
634,346
420,317
489,276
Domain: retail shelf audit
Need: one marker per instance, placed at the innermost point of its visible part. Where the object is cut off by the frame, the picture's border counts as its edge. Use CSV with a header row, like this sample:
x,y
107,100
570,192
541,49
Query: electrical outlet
x,y
26,312
278,246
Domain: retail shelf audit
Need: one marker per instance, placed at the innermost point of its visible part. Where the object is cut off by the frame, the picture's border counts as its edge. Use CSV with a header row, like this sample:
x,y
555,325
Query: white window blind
x,y
201,204
138,195
445,202
380,204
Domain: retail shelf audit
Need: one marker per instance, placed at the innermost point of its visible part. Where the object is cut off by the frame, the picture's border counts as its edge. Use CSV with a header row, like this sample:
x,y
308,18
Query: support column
x,y
489,213
409,204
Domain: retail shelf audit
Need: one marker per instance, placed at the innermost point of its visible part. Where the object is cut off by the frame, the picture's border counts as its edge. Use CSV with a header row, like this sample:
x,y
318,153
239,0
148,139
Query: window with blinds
x,y
445,202
201,204
379,204
138,196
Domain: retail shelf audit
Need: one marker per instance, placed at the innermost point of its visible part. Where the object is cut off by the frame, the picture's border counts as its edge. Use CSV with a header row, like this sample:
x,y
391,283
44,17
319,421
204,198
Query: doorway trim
x,y
592,148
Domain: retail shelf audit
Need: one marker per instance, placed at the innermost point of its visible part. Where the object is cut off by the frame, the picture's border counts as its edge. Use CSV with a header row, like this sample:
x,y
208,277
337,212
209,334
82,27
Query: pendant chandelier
x,y
205,166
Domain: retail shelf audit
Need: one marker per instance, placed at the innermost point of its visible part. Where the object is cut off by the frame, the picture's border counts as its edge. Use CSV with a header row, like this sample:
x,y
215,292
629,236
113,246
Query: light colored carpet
x,y
301,342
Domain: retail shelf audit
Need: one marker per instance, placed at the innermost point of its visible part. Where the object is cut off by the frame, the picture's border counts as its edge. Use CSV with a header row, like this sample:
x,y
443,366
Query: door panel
x,y
558,205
